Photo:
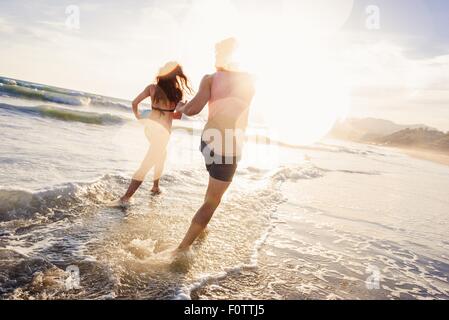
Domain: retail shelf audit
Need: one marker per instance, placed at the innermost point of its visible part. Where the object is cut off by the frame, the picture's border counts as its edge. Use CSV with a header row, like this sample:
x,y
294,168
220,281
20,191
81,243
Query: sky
x,y
394,64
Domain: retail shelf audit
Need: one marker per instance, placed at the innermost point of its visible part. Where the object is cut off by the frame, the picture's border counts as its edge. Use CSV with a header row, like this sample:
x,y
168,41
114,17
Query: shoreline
x,y
435,156
428,155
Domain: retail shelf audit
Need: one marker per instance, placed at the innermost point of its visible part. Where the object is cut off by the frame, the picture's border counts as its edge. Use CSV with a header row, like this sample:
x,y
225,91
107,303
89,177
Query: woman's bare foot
x,y
155,191
121,203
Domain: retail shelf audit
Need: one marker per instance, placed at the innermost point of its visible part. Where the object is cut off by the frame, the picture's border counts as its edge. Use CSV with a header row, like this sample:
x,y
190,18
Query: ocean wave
x,y
24,204
8,81
66,114
351,150
109,103
295,173
38,277
43,95
79,116
58,202
33,91
266,200
131,247
185,292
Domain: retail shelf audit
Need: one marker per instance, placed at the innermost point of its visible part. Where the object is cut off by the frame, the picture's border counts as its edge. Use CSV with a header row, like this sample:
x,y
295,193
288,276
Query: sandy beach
x,y
429,155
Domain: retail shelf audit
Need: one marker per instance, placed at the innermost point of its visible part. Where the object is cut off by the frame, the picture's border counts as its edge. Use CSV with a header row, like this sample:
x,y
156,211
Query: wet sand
x,y
429,155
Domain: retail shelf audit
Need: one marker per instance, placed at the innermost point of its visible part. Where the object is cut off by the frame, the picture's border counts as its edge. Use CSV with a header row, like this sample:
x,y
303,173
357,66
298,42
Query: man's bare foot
x,y
181,260
203,234
181,254
178,251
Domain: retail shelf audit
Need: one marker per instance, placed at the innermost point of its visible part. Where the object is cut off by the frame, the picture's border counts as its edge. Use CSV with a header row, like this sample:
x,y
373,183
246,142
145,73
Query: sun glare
x,y
301,91
287,45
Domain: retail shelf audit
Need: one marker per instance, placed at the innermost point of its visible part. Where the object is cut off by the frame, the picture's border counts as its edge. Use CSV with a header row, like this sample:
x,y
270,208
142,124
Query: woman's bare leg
x,y
158,169
133,186
214,193
155,190
138,178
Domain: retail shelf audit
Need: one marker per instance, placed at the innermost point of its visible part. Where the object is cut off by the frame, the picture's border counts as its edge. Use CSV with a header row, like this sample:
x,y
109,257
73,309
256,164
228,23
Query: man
x,y
229,94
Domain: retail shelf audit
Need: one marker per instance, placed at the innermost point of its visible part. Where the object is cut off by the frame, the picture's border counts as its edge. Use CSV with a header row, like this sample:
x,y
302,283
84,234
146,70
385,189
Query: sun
x,y
301,96
287,46
301,87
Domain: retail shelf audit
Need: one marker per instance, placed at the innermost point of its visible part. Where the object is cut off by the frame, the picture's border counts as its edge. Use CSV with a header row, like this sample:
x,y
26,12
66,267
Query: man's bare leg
x,y
214,193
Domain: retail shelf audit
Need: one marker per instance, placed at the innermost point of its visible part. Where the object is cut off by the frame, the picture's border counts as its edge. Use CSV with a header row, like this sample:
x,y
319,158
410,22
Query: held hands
x,y
181,106
177,115
179,110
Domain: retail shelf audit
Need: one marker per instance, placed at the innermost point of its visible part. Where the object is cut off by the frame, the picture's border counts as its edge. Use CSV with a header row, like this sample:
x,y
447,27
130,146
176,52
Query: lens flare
x,y
288,45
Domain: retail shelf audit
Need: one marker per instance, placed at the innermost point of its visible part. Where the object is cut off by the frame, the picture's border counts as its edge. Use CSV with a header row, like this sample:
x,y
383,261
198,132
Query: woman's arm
x,y
197,104
142,96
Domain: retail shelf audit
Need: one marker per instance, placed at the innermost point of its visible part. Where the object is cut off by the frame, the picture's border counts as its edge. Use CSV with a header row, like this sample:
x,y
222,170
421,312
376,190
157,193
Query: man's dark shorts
x,y
219,167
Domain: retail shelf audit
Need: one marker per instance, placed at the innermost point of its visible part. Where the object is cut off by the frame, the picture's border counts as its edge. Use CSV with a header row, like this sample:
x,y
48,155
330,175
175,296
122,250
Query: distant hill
x,y
417,138
388,133
368,129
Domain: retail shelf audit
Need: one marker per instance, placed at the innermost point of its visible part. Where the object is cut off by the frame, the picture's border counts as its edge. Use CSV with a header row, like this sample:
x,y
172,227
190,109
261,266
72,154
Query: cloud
x,y
119,48
388,83
6,27
385,63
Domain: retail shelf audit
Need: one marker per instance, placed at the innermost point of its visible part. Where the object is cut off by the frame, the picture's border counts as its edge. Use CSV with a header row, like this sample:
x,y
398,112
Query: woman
x,y
170,87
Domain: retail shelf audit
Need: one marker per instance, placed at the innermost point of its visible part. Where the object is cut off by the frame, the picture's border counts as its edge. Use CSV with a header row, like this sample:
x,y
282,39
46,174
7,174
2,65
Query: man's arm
x,y
197,104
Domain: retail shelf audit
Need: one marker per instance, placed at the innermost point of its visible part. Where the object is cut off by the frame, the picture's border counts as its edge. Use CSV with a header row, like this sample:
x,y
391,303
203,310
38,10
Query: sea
x,y
331,220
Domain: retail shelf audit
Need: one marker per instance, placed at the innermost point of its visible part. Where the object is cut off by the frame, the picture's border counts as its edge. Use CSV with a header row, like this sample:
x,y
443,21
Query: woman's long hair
x,y
172,84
